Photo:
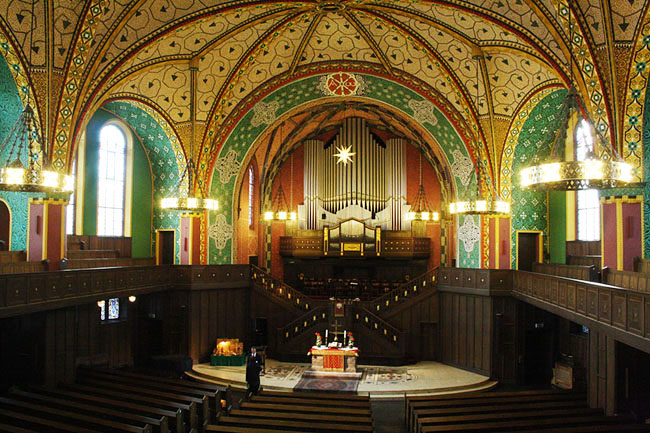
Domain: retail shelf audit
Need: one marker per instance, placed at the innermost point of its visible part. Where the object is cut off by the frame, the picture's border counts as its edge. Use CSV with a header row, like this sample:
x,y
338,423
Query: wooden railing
x,y
619,308
302,246
490,281
583,248
20,293
378,326
91,242
280,290
408,290
406,247
304,323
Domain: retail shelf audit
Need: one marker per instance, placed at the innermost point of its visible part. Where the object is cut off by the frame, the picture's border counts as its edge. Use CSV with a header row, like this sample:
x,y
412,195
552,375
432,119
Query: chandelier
x,y
601,168
187,201
484,202
25,140
281,211
421,211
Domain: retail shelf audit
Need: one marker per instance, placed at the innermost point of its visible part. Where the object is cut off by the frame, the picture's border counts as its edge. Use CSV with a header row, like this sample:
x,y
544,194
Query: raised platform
x,y
376,381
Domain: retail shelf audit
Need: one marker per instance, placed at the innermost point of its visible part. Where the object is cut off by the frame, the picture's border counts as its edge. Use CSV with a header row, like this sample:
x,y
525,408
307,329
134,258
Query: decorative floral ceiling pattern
x,y
84,52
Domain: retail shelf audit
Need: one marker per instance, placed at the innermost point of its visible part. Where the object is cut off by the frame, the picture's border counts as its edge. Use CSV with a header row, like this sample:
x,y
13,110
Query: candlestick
x,y
344,334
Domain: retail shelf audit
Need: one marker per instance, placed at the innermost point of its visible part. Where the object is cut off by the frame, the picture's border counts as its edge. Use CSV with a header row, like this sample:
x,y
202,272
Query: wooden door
x,y
165,249
527,250
5,226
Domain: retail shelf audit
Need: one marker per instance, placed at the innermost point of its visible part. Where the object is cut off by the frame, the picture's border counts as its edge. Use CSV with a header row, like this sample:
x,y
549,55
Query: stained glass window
x,y
111,182
113,308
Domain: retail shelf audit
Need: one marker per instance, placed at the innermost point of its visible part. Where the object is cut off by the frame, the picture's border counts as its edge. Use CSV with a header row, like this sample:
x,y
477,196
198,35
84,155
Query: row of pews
x,y
535,411
296,412
112,401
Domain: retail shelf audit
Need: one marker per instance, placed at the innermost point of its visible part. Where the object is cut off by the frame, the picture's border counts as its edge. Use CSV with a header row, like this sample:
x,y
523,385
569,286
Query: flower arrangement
x,y
350,340
319,341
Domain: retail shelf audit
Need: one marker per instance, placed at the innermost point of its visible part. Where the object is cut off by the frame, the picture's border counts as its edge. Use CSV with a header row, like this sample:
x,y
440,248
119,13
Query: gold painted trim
x,y
11,218
619,235
540,245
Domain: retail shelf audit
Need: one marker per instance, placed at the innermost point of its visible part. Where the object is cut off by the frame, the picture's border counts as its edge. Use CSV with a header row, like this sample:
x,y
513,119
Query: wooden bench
x,y
301,416
235,429
159,424
627,280
38,423
586,273
310,402
316,395
208,408
92,254
522,425
596,261
583,248
642,265
504,416
188,410
472,401
107,263
322,427
363,412
6,428
73,417
610,428
175,417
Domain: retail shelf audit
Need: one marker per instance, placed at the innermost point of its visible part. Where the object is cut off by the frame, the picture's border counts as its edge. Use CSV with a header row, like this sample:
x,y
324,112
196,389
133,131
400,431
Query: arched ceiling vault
x,y
86,52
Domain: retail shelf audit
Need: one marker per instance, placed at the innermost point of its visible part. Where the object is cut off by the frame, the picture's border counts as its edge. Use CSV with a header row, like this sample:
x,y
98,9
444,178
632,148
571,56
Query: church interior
x,y
455,184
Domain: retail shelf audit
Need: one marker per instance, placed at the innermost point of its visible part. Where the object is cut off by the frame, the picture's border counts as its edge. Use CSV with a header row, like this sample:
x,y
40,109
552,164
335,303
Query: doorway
x,y
529,249
165,247
5,226
539,353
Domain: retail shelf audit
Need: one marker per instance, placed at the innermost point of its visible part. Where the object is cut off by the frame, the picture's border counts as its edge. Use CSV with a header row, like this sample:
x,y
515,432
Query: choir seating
x,y
15,262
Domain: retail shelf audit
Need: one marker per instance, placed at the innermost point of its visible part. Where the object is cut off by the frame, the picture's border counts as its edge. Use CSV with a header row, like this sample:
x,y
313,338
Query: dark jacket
x,y
253,368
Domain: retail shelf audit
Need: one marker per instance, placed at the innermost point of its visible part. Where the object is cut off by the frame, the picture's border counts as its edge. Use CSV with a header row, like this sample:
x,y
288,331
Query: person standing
x,y
253,368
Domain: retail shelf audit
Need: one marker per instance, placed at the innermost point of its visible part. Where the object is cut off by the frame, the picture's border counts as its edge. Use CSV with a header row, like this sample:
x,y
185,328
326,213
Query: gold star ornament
x,y
344,154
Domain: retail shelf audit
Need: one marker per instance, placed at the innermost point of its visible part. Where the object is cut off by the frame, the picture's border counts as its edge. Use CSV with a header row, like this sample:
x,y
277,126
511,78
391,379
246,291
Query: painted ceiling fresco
x,y
486,59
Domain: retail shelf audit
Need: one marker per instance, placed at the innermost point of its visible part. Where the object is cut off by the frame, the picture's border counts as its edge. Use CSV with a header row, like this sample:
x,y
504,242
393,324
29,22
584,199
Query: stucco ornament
x,y
423,111
264,113
220,232
469,233
227,166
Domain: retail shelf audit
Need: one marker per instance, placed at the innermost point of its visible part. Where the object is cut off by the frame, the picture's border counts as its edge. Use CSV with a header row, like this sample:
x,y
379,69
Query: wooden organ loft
x,y
351,216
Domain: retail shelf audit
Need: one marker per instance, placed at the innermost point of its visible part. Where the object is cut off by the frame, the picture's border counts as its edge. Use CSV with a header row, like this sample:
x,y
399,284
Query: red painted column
x,y
191,238
499,242
621,233
46,231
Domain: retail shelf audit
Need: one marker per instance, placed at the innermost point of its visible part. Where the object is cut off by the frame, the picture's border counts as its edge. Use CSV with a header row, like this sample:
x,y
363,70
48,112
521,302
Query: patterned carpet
x,y
312,382
386,375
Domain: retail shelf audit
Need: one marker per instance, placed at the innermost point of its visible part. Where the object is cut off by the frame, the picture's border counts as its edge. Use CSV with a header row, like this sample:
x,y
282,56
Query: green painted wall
x,y
142,211
557,226
141,205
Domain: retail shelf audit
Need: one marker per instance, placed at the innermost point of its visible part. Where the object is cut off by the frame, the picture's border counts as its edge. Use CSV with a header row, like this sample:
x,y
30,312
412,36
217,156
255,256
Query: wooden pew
x,y
522,425
234,429
38,423
290,415
159,424
73,417
208,407
316,395
628,280
475,400
310,402
6,428
586,273
310,426
610,428
363,412
507,408
189,411
531,416
175,417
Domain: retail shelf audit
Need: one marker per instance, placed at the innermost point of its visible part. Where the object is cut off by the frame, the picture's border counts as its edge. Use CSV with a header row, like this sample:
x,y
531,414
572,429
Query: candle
x,y
326,335
344,334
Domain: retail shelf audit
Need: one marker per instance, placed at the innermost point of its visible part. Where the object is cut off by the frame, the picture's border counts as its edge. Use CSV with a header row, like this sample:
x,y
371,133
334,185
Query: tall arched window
x,y
588,203
251,195
111,181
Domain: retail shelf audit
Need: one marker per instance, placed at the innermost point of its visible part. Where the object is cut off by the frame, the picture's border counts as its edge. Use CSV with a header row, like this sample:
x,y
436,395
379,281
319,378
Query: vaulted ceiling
x,y
487,58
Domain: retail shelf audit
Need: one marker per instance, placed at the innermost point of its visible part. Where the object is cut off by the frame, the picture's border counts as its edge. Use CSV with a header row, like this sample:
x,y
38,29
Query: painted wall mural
x,y
529,208
469,241
298,92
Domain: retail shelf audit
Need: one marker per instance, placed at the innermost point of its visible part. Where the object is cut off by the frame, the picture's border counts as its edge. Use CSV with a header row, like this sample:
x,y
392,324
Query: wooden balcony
x,y
391,247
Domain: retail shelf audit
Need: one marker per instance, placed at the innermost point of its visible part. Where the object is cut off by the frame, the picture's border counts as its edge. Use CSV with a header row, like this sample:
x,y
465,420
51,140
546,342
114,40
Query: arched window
x,y
251,195
588,202
111,181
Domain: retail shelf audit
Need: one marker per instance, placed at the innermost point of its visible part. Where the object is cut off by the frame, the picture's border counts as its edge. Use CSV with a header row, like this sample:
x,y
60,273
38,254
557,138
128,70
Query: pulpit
x,y
325,358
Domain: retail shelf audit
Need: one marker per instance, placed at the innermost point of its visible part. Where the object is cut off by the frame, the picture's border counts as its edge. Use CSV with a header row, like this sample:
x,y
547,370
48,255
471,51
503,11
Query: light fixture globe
x,y
483,206
189,204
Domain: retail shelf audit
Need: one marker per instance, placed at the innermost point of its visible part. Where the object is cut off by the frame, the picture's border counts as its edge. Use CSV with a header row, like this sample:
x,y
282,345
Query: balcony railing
x,y
408,290
278,289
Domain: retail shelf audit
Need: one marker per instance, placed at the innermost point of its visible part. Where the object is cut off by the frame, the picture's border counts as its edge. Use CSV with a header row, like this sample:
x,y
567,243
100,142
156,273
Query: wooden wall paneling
x,y
471,315
195,325
477,343
205,327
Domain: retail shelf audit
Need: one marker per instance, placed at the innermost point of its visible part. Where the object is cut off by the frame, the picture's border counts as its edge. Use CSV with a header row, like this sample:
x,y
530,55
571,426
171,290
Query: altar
x,y
325,358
